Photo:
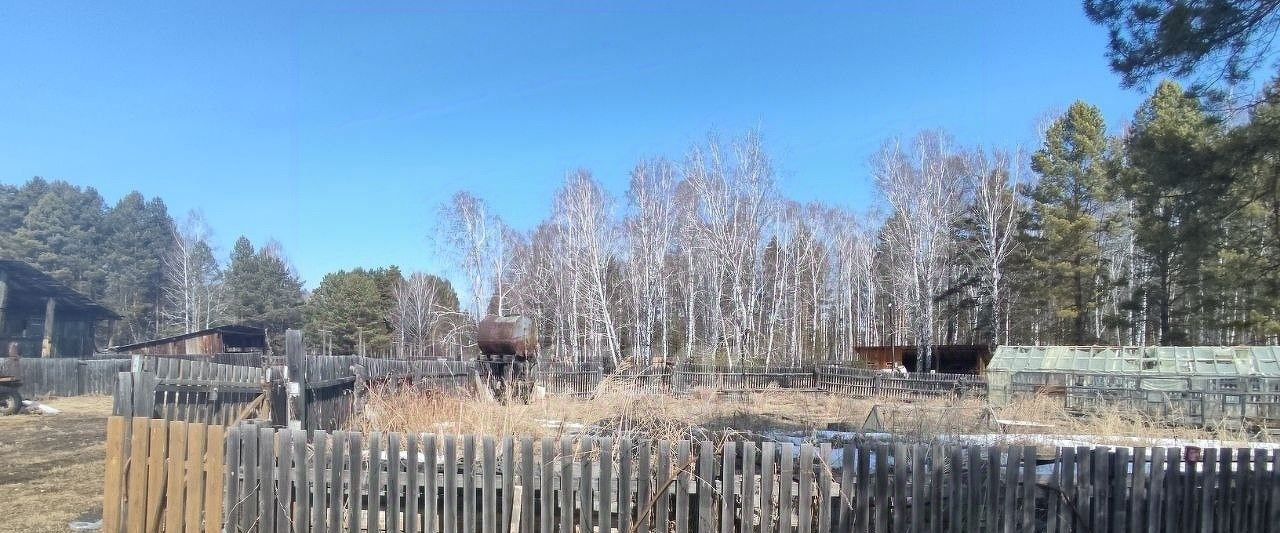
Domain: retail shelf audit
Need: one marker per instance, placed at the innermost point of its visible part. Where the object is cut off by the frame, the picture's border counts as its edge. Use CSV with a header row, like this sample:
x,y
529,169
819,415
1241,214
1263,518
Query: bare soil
x,y
51,465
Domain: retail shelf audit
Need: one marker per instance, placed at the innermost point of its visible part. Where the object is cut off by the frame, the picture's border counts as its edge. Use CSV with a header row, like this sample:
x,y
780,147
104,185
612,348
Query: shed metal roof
x,y
1225,361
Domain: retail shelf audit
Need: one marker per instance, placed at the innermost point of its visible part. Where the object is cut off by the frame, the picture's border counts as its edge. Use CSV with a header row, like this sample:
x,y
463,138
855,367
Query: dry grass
x,y
616,410
620,409
1127,424
51,465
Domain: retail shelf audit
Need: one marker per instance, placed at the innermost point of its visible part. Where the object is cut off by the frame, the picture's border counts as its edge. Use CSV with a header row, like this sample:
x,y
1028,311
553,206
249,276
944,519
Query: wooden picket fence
x,y
287,480
866,383
66,377
190,391
188,477
163,476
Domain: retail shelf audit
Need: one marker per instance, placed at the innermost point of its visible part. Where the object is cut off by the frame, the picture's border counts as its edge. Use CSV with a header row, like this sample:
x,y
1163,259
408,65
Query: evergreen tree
x,y
1170,154
1063,228
136,234
262,290
60,235
350,307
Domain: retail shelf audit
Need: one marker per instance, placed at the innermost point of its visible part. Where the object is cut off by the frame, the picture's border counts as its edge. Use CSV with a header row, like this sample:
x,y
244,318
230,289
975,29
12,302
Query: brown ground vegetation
x,y
51,465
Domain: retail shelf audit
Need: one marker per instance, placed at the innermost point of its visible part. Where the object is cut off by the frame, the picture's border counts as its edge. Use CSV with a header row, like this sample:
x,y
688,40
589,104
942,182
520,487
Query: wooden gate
x,y
163,476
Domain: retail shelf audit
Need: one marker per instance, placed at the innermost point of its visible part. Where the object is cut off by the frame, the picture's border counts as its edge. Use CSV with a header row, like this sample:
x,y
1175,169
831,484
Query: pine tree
x,y
1065,222
136,235
60,235
1170,153
262,290
353,307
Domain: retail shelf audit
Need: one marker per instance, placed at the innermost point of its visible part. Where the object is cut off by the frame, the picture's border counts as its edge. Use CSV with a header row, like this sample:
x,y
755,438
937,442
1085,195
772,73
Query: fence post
x,y
296,361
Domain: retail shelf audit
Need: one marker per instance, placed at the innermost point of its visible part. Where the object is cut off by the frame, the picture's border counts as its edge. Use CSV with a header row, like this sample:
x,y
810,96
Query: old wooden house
x,y
233,339
43,317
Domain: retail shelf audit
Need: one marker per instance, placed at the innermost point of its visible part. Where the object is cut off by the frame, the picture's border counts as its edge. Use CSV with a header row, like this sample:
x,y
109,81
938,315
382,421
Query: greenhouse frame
x,y
1210,386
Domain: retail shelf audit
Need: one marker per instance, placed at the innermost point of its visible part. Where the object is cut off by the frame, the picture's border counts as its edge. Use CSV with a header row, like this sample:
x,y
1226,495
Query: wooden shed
x,y
219,340
950,358
43,317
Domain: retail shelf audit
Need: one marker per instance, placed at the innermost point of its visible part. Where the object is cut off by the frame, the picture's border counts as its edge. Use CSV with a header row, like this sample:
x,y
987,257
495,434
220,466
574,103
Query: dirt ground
x,y
51,465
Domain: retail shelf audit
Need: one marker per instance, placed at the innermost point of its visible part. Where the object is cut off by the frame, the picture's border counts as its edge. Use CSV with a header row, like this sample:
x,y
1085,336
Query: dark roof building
x,y
43,317
219,340
949,358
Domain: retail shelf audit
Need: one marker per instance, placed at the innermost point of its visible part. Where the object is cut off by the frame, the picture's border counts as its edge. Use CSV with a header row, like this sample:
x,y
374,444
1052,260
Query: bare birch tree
x,y
994,181
923,185
191,275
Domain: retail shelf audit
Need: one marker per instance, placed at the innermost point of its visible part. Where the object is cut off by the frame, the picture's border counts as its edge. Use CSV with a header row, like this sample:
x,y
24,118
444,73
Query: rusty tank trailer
x,y
508,355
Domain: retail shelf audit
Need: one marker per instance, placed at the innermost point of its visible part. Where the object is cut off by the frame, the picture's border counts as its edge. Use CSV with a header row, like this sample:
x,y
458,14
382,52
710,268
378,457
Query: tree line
x,y
1164,230
164,277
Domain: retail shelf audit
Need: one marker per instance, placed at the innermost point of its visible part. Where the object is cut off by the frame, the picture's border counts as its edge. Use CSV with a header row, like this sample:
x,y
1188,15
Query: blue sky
x,y
339,129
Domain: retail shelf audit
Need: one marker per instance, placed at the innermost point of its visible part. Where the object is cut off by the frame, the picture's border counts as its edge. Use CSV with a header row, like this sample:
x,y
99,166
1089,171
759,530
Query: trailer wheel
x,y
10,401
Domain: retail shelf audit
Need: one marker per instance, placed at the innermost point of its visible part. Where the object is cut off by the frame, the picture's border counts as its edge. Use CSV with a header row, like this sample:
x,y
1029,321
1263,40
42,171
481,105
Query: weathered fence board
x,y
163,475
68,377
489,484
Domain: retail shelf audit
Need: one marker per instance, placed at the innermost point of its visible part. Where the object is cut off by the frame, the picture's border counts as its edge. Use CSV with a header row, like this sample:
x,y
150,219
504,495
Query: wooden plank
x,y
973,505
175,482
266,517
882,488
301,484
901,463
604,519
1011,472
412,485
1240,489
824,488
214,475
1173,492
193,482
1155,492
488,486
113,475
749,457
768,482
1119,484
566,485
1084,487
450,500
393,481
585,506
917,475
247,496
706,488
804,496
728,468
546,491
1138,491
625,475
284,479
528,482
156,474
786,481
430,468
337,474
934,492
663,488
860,490
957,493
373,507
355,479
319,482
644,488
508,486
846,518
1028,489
1258,492
684,463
